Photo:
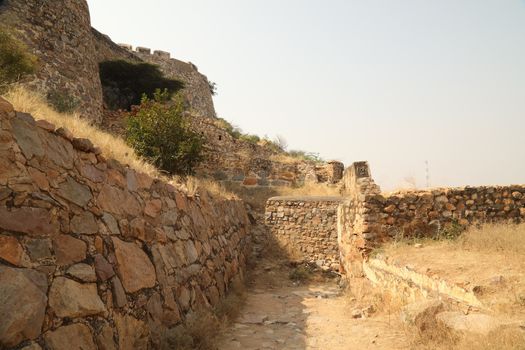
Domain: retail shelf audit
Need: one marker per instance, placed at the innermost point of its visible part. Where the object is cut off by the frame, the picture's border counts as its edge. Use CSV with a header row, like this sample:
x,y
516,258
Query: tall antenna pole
x,y
427,173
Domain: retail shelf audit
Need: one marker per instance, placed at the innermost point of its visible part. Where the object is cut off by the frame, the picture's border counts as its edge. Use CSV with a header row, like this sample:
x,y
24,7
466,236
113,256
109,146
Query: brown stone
x,y
22,305
133,333
39,178
74,192
191,252
105,339
10,250
65,133
27,138
137,229
5,107
92,173
134,267
33,221
144,181
83,272
68,298
119,295
99,245
111,224
73,337
103,268
119,202
69,250
250,181
181,201
153,208
84,223
59,151
83,145
44,124
39,249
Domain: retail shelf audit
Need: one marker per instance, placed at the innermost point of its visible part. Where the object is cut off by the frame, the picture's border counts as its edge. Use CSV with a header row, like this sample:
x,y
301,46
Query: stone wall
x,y
95,255
306,228
368,218
59,34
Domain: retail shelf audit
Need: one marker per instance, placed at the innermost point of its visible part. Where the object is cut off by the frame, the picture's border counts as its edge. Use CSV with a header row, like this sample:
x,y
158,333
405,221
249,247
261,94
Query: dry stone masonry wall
x,y
94,255
306,228
59,34
368,218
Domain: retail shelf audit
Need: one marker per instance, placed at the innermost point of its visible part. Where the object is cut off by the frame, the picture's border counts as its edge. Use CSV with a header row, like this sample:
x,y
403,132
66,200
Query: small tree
x,y
159,131
15,59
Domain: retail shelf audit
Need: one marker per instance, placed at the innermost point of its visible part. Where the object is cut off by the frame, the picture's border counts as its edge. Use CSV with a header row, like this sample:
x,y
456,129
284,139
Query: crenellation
x,y
144,50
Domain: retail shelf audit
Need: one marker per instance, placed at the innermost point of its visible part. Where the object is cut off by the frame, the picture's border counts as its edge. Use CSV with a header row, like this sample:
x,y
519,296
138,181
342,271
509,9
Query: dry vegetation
x,y
202,328
474,259
112,147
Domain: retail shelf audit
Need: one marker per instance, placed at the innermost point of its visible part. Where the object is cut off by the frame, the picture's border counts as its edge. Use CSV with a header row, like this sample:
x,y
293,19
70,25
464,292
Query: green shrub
x,y
62,102
160,132
15,59
124,83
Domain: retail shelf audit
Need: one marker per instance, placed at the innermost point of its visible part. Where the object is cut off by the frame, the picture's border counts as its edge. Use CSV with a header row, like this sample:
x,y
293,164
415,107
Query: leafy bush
x,y
15,59
124,83
160,132
62,102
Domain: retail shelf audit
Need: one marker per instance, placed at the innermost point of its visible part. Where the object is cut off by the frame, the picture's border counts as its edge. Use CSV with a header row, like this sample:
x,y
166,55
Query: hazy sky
x,y
394,82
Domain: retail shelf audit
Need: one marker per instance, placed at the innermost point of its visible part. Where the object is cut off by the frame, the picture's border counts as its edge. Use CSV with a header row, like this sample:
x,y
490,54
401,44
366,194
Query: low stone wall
x,y
306,228
368,218
95,255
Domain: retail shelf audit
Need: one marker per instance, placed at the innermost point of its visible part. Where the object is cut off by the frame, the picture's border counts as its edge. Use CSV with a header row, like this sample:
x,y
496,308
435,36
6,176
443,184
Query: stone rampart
x,y
94,255
59,34
306,228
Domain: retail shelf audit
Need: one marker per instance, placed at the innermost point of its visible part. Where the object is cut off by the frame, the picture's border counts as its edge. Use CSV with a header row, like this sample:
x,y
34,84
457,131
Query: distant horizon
x,y
392,82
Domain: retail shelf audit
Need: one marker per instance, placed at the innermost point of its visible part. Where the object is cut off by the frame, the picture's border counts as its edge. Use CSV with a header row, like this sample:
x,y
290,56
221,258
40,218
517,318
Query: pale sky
x,y
394,82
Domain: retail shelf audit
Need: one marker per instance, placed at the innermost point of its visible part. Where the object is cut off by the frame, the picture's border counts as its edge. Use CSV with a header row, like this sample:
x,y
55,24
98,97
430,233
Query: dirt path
x,y
281,314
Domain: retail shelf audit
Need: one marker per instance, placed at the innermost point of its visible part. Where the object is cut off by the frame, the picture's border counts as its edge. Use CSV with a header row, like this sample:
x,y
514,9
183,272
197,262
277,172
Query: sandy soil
x,y
281,314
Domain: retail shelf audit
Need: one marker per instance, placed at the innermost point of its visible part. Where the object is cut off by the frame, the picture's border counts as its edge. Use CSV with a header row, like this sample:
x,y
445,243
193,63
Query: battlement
x,y
147,51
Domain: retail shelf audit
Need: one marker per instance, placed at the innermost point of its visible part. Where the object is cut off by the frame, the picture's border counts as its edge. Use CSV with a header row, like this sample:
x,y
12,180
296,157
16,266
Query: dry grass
x,y
497,238
361,291
202,328
310,190
440,338
112,147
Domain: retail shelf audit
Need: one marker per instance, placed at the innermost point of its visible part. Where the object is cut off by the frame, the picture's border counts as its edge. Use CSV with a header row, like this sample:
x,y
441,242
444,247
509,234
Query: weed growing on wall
x,y
15,60
159,131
